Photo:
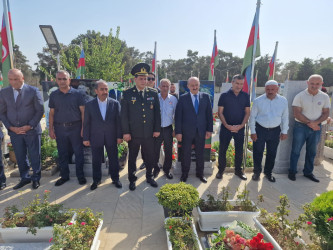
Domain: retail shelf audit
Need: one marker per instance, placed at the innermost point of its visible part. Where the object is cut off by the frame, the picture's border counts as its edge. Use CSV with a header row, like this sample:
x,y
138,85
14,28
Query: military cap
x,y
141,69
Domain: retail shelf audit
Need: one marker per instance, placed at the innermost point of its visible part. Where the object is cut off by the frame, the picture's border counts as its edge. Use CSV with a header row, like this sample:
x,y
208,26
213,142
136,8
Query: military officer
x,y
141,122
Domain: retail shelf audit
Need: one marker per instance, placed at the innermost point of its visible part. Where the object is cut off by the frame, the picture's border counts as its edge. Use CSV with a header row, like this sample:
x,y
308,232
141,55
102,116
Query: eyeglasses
x,y
62,79
150,79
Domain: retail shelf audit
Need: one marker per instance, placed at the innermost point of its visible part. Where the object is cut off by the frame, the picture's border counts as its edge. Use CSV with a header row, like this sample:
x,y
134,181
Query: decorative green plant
x,y
319,214
38,213
178,197
181,234
221,203
122,149
49,151
77,235
250,146
329,143
10,146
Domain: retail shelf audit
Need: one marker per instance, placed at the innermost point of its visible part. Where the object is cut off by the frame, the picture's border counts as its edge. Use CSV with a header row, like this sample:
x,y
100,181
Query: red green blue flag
x,y
5,53
214,61
81,67
271,67
154,67
252,51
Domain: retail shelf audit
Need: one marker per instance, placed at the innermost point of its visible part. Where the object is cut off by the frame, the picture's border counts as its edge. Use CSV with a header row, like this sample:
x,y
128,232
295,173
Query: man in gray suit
x,y
21,109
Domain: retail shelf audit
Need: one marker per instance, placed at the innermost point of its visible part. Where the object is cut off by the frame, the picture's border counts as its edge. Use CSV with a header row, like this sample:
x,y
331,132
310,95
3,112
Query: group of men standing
x,y
146,117
269,124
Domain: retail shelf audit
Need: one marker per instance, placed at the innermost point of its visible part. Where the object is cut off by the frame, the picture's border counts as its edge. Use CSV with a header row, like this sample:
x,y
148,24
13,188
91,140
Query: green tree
x,y
306,69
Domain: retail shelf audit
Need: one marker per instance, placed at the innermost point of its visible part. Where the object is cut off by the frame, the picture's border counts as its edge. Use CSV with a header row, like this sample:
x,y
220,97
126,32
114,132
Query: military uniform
x,y
140,117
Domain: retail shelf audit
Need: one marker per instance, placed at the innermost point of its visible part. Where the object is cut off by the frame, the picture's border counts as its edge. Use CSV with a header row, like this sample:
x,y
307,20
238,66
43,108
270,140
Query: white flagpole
x,y
275,54
9,35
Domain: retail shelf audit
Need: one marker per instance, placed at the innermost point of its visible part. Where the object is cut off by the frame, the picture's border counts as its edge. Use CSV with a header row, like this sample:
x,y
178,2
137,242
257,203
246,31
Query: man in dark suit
x,y
21,109
194,124
115,94
141,122
101,127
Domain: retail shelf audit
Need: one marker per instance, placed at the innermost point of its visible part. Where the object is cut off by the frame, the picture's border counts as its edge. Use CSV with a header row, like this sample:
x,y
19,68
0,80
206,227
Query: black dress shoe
x,y
156,172
312,177
219,175
35,184
94,185
183,178
203,179
2,185
142,166
82,181
256,177
132,186
152,182
61,181
117,184
292,177
169,175
22,183
270,177
241,175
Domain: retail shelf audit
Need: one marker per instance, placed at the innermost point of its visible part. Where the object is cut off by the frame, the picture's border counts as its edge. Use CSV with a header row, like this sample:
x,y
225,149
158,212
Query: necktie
x,y
196,104
18,98
141,94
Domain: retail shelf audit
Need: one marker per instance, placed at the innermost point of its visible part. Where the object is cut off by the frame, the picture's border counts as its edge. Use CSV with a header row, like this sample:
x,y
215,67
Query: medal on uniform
x,y
133,99
151,106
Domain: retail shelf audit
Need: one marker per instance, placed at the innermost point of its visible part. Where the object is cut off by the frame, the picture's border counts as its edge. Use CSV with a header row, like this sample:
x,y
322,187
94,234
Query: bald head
x,y
314,83
15,78
193,84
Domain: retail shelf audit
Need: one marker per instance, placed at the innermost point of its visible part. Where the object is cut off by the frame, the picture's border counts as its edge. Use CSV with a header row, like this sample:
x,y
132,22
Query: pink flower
x,y
170,227
70,223
50,240
309,223
179,203
330,219
47,191
83,223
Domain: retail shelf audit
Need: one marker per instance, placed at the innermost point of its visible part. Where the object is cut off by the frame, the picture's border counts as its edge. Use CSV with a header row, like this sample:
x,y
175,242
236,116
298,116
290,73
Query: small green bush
x,y
329,143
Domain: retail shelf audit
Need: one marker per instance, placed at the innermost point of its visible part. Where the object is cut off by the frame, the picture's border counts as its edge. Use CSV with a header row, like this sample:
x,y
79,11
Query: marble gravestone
x,y
282,160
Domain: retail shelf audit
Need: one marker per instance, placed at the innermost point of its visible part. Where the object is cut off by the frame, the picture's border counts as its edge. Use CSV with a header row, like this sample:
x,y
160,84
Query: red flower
x,y
70,223
309,223
83,223
179,203
50,240
47,191
170,227
213,150
330,219
173,157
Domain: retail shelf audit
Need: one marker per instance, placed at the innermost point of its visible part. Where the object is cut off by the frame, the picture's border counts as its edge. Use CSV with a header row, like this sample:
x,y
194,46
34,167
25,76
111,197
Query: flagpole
x,y
9,35
275,53
227,80
156,78
214,58
251,81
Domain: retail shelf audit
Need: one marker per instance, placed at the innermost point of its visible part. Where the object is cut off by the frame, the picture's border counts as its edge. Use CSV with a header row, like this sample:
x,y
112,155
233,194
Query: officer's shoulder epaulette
x,y
152,89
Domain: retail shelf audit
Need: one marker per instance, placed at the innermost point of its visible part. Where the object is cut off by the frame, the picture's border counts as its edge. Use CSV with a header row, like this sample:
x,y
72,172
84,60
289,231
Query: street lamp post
x,y
51,41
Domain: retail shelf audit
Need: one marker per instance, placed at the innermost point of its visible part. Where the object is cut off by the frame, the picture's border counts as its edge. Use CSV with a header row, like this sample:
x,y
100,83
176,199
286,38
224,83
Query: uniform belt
x,y
257,124
67,124
167,126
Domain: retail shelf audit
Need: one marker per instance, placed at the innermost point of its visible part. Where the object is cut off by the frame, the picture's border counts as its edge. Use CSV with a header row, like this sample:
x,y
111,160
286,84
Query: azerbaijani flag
x,y
214,61
154,67
227,80
81,67
5,53
252,51
271,67
10,23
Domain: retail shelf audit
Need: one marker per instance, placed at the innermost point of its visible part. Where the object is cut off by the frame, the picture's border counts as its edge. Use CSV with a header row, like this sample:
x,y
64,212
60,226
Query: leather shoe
x,y
61,181
35,184
117,184
2,185
132,186
312,177
142,166
292,177
156,172
241,175
152,182
82,181
169,175
219,175
256,177
183,178
94,185
270,177
22,183
203,179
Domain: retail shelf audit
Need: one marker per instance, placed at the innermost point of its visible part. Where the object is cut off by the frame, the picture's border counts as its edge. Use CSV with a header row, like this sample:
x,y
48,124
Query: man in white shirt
x,y
269,124
168,107
311,108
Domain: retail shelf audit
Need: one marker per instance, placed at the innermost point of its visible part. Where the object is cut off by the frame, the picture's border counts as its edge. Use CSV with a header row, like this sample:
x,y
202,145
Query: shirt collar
x,y
19,88
307,92
232,92
101,102
193,95
160,96
140,90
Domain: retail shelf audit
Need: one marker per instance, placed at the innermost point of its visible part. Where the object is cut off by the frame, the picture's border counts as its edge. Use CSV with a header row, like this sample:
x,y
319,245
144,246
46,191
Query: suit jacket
x,y
27,111
98,131
140,116
187,121
112,94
